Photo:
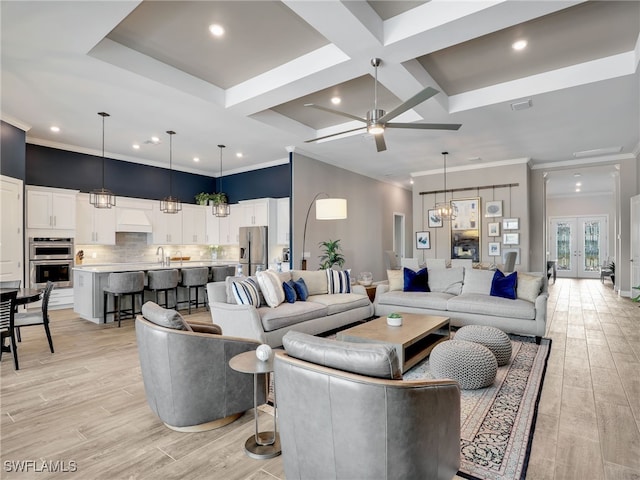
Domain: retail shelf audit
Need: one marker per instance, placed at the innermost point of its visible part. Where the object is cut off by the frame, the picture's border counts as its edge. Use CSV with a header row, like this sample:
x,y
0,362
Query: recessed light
x,y
216,30
136,146
519,45
239,155
577,189
411,181
336,100
155,139
577,175
578,184
55,129
196,159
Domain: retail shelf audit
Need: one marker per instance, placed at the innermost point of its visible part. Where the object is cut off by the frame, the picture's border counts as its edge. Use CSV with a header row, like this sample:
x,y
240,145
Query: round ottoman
x,y
494,339
470,364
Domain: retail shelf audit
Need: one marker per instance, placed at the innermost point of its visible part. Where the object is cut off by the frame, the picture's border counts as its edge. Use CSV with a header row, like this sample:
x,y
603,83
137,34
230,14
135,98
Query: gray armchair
x,y
342,425
185,369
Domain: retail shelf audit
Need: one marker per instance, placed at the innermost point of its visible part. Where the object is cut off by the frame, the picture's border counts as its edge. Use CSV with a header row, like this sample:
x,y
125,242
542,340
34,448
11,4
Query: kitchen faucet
x,y
179,255
161,249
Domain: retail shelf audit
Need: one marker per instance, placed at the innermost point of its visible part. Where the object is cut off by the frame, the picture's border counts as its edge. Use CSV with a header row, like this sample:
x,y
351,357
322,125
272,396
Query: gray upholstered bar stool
x,y
120,284
195,278
163,281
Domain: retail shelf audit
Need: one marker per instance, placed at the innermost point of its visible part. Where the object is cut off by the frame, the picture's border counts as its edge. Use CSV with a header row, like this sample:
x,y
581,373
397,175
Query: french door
x,y
579,245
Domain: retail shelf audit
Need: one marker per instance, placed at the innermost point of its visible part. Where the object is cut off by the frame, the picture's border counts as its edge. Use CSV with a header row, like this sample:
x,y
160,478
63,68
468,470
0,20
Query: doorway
x,y
579,245
398,234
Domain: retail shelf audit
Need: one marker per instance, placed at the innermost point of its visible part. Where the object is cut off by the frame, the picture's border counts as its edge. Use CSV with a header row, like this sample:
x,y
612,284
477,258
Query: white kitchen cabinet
x,y
167,227
94,226
282,221
230,225
51,208
255,212
193,224
212,226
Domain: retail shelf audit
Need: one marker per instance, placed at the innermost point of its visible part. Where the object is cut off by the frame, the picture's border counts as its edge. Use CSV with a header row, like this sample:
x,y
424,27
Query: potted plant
x,y
202,198
394,319
332,254
218,198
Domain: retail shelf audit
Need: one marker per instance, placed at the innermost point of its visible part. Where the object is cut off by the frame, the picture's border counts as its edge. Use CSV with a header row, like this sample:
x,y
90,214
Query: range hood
x,y
132,220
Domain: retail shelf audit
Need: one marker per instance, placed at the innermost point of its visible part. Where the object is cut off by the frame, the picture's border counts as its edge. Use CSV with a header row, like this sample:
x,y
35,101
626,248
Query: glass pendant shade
x,y
102,198
221,208
170,204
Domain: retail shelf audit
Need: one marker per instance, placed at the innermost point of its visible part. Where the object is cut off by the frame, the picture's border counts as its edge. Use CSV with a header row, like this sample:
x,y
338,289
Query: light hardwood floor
x,y
85,403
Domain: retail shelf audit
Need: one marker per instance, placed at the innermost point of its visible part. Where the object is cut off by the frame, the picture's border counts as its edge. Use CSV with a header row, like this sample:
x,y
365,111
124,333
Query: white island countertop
x,y
145,266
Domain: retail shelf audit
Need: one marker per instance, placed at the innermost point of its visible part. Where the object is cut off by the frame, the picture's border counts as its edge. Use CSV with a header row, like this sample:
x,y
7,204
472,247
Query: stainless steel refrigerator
x,y
254,249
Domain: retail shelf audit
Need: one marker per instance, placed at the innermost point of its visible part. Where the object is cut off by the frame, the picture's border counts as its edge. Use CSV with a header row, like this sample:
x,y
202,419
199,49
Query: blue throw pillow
x,y
504,286
416,281
301,289
289,291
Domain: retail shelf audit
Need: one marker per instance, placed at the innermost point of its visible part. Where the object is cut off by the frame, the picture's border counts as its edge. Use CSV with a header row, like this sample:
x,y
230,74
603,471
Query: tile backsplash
x,y
135,247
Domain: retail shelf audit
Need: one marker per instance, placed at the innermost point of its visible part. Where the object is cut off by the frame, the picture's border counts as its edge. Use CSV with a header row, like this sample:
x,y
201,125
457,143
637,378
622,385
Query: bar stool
x,y
163,281
195,278
120,284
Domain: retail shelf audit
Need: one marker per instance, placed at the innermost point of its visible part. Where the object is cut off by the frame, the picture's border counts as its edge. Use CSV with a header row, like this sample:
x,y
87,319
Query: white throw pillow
x,y
246,292
396,279
477,281
446,280
528,287
316,280
271,287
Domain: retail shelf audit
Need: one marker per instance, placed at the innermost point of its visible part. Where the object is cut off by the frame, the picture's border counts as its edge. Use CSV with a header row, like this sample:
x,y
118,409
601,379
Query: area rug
x,y
497,423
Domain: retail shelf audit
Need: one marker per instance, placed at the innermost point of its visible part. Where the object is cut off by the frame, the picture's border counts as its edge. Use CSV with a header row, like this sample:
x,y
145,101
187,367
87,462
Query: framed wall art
x,y
494,249
434,220
423,240
493,208
511,239
494,229
465,229
510,223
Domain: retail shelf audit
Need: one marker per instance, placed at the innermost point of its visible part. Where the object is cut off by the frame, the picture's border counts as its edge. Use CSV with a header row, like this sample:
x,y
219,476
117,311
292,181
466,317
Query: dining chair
x,y
10,284
31,319
7,314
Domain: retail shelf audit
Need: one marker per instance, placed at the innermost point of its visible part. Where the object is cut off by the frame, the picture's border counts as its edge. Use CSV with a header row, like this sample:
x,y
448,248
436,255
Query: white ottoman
x,y
472,365
494,339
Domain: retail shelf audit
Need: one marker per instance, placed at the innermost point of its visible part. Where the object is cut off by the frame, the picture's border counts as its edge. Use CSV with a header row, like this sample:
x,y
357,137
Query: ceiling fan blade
x,y
336,112
381,146
334,134
419,97
425,126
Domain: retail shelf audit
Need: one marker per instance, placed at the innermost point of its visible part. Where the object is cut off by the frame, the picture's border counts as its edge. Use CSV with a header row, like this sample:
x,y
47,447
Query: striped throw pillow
x,y
338,281
246,292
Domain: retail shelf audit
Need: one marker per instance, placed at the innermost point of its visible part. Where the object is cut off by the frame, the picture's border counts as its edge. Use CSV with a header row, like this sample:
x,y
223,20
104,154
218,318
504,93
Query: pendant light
x,y
170,204
220,206
102,198
444,209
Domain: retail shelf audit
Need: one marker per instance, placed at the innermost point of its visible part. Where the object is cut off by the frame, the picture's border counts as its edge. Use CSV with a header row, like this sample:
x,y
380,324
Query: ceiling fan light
x,y
375,129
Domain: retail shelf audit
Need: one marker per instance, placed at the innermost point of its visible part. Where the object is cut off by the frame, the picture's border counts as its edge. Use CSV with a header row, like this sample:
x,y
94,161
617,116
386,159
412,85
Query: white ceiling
x,y
155,67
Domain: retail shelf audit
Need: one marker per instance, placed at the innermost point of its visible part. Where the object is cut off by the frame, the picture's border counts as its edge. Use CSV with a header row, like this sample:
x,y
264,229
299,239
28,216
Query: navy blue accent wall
x,y
274,182
51,167
12,151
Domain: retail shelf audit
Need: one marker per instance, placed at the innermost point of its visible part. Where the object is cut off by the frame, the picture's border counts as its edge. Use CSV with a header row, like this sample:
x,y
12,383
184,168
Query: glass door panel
x,y
579,246
563,233
592,251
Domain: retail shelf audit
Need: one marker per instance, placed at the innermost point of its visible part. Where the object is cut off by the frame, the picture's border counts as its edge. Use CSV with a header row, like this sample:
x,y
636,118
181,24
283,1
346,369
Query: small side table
x,y
371,292
260,445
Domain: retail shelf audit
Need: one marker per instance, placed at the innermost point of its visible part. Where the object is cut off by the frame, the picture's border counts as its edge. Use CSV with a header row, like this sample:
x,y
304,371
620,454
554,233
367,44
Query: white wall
x,y
368,230
515,203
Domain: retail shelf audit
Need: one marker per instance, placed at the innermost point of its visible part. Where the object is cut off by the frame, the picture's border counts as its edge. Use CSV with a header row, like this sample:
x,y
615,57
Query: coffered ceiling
x,y
154,66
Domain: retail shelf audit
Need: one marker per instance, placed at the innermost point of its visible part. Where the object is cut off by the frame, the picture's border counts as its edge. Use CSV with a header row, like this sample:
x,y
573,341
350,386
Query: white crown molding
x,y
580,194
585,161
515,161
15,122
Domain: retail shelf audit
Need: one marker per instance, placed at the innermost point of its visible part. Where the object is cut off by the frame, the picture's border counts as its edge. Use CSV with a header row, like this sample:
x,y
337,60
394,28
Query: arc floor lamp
x,y
326,209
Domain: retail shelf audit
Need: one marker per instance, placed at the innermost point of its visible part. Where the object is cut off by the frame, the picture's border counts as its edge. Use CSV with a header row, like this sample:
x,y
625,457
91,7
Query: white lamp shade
x,y
331,209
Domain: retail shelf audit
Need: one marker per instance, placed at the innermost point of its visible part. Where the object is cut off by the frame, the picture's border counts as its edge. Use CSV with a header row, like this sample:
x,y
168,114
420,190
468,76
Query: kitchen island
x,y
90,280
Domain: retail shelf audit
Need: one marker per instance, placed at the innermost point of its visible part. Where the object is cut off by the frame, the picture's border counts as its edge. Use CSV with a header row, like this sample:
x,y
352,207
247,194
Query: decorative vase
x,y
365,279
263,352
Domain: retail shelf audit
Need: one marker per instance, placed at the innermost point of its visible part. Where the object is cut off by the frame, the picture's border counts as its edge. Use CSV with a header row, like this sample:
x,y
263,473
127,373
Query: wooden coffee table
x,y
413,341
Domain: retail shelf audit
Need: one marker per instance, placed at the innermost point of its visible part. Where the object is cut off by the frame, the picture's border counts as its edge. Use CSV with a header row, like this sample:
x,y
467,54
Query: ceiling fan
x,y
377,120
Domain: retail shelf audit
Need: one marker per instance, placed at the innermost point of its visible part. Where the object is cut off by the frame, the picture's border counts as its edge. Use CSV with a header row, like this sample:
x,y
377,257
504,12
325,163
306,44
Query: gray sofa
x,y
344,413
321,312
463,295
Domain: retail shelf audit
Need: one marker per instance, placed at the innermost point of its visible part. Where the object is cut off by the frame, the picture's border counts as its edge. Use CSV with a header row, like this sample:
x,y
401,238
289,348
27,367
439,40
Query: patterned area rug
x,y
497,422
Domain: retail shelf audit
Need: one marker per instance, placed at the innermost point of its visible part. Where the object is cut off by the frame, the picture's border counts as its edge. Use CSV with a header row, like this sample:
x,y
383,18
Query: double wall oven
x,y
50,259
